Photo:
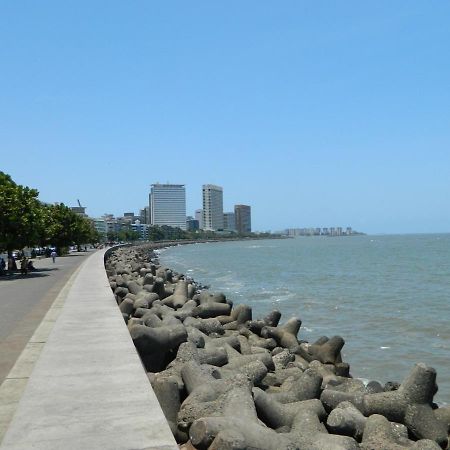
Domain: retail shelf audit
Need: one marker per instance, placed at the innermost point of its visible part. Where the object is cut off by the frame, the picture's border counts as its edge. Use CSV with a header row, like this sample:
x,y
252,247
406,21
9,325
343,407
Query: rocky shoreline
x,y
225,380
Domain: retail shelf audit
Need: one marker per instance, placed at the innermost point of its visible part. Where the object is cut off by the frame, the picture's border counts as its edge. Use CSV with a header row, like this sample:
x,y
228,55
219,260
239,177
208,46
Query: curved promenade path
x,y
79,383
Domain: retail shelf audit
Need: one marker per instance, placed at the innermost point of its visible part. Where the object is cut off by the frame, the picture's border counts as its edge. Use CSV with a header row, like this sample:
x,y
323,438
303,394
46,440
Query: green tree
x,y
63,227
20,215
166,233
112,236
128,235
155,233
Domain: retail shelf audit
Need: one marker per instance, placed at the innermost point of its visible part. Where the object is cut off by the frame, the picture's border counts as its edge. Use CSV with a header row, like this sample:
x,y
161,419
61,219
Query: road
x,y
24,301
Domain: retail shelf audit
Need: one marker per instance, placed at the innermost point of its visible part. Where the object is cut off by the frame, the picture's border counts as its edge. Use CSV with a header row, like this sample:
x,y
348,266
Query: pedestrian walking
x,y
2,266
53,255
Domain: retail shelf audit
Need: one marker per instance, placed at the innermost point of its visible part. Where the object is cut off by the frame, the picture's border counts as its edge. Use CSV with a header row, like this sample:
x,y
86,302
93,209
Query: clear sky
x,y
315,113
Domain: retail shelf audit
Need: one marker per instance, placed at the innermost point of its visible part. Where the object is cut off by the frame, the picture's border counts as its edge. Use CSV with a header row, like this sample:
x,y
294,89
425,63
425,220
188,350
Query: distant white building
x,y
168,205
199,217
212,218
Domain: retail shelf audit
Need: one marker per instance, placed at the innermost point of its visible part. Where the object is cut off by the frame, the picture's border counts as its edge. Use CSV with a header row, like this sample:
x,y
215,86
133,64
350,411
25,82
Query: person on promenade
x,y
12,267
53,255
2,266
23,265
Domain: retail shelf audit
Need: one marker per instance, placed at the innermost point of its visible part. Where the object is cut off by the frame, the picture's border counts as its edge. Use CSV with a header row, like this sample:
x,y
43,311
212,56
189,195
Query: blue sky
x,y
314,113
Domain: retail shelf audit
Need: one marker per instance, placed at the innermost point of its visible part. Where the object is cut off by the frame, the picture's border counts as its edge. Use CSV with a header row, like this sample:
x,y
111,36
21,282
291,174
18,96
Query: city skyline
x,y
312,113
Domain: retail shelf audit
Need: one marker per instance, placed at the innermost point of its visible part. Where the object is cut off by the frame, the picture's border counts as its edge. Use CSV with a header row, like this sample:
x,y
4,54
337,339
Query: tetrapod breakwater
x,y
226,380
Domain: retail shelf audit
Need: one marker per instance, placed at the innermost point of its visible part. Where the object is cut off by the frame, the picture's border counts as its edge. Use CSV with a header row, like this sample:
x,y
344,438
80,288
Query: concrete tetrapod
x,y
307,433
207,326
310,433
187,352
168,395
304,386
378,434
271,320
411,404
225,429
327,351
285,335
275,414
348,420
154,344
207,310
239,315
255,371
209,396
179,296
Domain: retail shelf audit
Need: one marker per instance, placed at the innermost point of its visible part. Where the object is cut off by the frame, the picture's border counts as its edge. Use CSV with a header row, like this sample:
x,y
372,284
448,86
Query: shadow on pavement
x,y
44,269
18,276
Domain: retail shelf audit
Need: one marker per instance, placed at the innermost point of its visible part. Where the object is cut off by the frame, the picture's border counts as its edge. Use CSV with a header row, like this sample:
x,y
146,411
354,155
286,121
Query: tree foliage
x,y
25,221
63,227
124,235
20,214
166,233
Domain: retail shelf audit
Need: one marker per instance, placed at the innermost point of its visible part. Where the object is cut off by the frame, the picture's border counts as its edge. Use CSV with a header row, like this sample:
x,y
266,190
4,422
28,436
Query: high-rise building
x,y
199,217
229,221
243,218
144,215
212,218
168,205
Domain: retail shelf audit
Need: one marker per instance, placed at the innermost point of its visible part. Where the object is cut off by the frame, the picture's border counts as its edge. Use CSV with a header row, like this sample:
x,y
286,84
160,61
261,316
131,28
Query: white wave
x,y
364,380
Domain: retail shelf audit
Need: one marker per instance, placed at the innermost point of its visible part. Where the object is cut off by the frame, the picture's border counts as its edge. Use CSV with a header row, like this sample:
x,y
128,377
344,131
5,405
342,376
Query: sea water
x,y
387,296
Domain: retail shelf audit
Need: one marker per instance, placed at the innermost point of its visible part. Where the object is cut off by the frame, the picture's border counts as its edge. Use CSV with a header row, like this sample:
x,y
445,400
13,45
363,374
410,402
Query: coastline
x,y
181,333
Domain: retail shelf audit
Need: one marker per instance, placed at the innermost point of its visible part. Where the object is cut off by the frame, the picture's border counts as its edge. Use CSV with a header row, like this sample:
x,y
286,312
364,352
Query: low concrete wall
x,y
88,389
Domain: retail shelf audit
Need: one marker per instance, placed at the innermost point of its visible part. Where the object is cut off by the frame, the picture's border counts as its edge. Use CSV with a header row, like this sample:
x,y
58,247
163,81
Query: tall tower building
x,y
168,205
212,219
243,218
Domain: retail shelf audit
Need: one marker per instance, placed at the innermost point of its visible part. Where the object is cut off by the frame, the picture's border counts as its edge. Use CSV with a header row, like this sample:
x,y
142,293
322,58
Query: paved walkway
x,y
24,301
88,388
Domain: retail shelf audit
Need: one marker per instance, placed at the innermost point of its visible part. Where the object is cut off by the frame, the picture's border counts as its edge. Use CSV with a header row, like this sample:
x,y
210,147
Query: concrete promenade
x,y
88,389
24,301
